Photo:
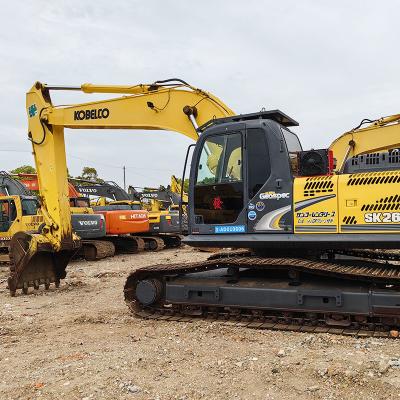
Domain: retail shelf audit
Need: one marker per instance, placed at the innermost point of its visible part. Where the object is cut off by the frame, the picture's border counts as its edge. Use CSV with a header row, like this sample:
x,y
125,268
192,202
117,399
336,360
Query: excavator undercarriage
x,y
351,296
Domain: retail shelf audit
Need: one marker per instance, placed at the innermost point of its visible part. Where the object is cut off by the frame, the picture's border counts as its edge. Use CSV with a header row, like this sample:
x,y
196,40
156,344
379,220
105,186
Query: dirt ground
x,y
80,342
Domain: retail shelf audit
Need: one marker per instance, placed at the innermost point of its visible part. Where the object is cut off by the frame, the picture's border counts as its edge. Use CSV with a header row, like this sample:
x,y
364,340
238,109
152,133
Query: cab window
x,y
259,166
29,206
293,147
220,160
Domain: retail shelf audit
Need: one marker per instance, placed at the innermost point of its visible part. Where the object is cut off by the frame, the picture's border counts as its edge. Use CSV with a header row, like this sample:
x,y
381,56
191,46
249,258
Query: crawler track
x,y
367,271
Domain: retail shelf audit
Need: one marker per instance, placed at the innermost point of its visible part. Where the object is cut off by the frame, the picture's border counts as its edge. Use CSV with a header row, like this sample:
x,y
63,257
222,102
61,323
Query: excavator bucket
x,y
34,262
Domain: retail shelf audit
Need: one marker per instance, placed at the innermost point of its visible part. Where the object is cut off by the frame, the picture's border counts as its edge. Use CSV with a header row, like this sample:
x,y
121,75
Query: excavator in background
x,y
321,226
118,224
18,211
21,214
103,190
163,205
164,228
164,198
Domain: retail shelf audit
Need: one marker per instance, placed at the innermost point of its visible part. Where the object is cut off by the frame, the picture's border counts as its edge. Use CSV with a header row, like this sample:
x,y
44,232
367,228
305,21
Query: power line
x,y
15,151
95,162
132,169
91,161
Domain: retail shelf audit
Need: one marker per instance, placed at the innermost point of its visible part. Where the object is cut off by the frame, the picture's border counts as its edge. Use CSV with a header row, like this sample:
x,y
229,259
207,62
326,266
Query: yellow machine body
x,y
366,202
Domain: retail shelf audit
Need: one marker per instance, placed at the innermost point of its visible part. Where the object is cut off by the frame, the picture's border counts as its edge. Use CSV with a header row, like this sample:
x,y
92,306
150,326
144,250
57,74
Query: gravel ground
x,y
80,342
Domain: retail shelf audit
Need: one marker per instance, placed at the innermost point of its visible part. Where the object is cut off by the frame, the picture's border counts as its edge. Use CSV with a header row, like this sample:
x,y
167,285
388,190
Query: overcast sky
x,y
327,64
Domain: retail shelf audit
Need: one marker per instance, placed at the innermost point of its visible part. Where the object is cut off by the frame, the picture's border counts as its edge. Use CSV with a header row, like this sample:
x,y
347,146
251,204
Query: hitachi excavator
x,y
164,223
163,218
115,203
321,226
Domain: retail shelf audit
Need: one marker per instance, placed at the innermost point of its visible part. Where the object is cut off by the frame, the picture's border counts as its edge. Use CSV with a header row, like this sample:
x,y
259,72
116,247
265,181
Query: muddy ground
x,y
80,342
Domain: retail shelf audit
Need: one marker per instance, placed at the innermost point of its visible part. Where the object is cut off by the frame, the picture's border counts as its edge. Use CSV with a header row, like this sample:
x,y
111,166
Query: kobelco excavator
x,y
314,221
321,228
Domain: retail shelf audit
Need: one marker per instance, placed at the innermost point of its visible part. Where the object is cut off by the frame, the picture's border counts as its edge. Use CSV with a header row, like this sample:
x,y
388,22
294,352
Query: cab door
x,y
219,187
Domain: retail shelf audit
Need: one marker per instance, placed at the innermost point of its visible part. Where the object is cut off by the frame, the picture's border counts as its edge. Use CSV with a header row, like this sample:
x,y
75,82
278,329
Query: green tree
x,y
90,173
24,169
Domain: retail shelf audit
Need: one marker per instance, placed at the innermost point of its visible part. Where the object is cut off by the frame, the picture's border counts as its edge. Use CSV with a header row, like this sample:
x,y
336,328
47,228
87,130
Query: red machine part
x,y
120,222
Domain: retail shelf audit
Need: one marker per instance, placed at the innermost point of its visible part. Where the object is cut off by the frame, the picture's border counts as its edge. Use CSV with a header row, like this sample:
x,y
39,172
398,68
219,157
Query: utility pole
x,y
124,177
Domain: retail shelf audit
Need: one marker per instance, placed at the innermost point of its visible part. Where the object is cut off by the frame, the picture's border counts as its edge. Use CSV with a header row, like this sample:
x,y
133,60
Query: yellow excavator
x,y
163,205
313,221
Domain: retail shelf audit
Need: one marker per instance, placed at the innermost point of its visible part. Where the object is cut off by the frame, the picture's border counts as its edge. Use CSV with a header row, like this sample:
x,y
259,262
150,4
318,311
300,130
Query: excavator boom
x,y
382,134
170,105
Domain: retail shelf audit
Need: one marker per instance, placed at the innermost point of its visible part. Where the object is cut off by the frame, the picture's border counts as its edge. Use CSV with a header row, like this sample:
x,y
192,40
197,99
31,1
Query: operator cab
x,y
9,209
242,175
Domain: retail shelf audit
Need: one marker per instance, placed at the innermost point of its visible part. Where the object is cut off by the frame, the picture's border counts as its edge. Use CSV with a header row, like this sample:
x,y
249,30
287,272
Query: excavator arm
x,y
382,134
170,105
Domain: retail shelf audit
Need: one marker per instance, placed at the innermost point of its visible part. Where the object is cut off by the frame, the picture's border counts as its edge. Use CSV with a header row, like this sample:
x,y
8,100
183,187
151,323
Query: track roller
x,y
171,241
97,249
127,244
153,243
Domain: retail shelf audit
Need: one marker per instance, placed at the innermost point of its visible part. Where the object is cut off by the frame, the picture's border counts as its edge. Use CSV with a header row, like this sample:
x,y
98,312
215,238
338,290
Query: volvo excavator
x,y
119,225
321,226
